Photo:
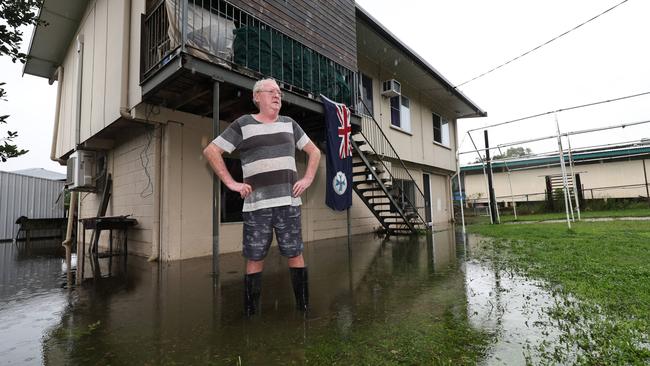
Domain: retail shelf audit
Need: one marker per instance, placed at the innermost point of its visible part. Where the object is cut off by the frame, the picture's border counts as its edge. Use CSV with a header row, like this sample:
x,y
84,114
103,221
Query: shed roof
x,y
579,157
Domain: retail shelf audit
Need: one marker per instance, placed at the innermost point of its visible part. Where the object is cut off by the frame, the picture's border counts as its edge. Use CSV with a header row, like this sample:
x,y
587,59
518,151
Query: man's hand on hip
x,y
300,186
243,189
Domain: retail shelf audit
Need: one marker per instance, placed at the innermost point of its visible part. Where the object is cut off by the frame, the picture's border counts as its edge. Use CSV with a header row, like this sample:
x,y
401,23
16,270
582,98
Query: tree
x,y
512,152
14,14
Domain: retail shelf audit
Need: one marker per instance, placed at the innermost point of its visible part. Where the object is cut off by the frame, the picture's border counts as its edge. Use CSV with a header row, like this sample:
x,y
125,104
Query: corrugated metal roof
x,y
581,156
41,173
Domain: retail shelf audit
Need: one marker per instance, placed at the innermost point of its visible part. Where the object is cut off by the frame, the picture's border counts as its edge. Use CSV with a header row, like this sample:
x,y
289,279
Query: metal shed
x,y
23,195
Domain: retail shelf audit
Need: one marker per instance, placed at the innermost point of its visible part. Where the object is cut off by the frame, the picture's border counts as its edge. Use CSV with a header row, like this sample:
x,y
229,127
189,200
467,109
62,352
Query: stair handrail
x,y
396,156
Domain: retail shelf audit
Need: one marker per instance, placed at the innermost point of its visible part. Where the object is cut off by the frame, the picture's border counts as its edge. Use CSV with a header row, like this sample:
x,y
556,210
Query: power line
x,y
540,46
561,110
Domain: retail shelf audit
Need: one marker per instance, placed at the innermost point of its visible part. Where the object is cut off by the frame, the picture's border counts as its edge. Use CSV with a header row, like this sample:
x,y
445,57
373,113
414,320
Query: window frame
x,y
367,95
400,119
441,126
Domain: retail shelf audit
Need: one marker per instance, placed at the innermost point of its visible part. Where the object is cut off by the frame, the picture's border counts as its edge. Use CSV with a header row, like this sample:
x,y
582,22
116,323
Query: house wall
x,y
416,146
187,196
596,179
131,164
103,71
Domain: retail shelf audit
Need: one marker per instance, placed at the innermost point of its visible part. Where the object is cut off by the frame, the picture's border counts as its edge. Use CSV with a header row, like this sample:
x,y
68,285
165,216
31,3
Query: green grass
x,y
629,212
635,212
605,266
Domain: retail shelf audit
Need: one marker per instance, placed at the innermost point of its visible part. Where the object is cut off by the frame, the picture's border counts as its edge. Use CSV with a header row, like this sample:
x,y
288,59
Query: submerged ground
x,y
429,300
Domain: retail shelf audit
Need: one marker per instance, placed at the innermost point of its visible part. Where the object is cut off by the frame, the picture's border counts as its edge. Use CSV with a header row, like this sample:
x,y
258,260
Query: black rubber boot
x,y
299,281
252,290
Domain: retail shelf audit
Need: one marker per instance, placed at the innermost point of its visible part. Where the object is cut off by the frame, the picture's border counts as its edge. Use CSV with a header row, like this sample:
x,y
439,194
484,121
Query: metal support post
x,y
564,181
216,183
573,178
460,193
484,174
512,196
493,202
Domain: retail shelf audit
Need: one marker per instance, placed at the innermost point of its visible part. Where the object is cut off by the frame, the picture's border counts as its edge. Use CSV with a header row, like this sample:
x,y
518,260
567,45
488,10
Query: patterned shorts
x,y
258,231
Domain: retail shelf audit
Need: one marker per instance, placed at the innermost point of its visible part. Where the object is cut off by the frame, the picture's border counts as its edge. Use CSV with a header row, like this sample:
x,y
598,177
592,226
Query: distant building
x,y
22,194
621,171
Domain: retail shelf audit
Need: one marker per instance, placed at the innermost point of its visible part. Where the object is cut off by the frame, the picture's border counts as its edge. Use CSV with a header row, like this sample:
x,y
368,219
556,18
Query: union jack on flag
x,y
344,130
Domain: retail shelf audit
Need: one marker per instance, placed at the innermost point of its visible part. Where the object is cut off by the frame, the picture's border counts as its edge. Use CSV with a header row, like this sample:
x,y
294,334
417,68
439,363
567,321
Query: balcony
x,y
187,45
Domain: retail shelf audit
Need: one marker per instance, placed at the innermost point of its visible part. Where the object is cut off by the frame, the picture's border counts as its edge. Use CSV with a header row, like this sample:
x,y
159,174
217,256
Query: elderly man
x,y
271,190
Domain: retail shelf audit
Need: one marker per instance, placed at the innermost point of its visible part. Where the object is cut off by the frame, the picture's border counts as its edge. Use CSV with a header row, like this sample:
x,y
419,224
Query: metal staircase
x,y
383,183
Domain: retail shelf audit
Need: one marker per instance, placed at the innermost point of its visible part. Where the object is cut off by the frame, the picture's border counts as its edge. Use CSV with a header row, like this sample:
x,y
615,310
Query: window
x,y
400,112
404,193
366,95
231,202
440,130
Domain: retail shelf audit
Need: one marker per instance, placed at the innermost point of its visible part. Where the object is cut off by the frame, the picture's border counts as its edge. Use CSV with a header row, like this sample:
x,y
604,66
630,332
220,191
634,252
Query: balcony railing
x,y
219,32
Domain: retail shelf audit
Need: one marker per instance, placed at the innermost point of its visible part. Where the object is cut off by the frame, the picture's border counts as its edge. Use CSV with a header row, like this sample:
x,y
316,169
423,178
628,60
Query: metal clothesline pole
x,y
578,132
512,197
484,176
460,193
573,178
564,181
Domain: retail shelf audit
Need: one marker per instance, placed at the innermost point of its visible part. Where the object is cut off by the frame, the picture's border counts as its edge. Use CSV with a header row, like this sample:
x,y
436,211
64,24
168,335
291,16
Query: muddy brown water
x,y
178,313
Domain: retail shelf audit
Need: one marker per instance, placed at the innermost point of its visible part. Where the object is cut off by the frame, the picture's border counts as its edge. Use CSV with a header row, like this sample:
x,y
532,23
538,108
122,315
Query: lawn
x,y
602,270
634,212
628,212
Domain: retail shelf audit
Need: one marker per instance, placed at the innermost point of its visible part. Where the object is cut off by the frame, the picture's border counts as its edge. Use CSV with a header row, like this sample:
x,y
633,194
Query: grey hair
x,y
258,86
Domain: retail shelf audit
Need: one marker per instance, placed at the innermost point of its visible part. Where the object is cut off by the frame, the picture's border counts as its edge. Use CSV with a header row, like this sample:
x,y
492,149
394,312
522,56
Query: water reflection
x,y
31,277
414,300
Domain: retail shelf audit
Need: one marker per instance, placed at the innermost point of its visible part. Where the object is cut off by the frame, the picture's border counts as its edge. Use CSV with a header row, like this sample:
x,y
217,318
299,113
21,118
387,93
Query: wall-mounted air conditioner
x,y
391,88
82,171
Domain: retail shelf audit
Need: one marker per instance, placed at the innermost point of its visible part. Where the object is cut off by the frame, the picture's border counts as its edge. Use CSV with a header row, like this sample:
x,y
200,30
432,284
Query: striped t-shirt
x,y
267,153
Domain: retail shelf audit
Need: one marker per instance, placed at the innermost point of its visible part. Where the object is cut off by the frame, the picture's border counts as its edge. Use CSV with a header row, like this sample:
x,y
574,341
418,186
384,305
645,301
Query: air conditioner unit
x,y
391,88
81,171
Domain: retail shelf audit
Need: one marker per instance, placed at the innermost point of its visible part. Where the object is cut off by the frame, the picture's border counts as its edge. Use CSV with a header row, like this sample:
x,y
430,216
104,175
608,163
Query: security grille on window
x,y
440,130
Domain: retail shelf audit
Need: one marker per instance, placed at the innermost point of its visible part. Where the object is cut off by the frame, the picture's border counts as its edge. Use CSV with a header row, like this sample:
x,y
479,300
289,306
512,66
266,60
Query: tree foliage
x,y
512,152
14,14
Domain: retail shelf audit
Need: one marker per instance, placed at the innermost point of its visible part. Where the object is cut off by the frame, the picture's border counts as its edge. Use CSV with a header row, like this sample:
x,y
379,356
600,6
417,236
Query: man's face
x,y
269,97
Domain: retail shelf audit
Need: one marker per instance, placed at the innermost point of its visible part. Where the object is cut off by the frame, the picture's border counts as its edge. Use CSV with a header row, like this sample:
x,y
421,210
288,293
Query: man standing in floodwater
x,y
271,190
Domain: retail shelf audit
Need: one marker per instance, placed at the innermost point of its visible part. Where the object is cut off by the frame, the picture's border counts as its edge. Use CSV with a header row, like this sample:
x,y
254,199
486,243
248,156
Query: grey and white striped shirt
x,y
267,153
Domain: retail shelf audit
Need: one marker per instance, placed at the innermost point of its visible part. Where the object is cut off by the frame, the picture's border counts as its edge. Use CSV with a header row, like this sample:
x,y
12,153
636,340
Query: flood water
x,y
392,301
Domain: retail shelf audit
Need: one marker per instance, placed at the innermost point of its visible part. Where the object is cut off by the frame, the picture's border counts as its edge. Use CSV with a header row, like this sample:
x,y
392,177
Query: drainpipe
x,y
155,240
67,243
80,63
58,75
125,112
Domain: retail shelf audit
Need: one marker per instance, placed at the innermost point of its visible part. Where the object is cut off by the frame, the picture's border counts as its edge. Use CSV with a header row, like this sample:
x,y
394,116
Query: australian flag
x,y
338,194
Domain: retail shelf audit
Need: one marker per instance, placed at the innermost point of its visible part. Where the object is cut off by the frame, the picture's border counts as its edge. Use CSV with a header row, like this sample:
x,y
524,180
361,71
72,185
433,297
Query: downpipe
x,y
58,76
125,112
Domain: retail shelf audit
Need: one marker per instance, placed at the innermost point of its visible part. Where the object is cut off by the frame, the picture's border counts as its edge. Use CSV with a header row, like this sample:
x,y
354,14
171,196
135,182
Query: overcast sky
x,y
606,58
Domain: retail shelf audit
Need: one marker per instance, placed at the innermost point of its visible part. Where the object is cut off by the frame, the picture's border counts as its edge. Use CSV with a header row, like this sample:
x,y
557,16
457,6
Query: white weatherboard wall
x,y
21,195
